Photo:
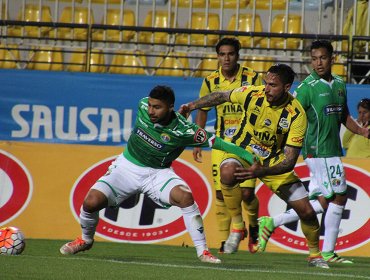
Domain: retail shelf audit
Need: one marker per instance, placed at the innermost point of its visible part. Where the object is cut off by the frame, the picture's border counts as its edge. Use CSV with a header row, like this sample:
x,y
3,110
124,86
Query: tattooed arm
x,y
258,171
210,100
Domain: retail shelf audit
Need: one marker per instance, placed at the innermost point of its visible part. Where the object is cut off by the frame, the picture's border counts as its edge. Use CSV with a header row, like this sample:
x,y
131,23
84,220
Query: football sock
x,y
291,215
332,221
223,219
88,222
194,225
233,200
311,230
252,211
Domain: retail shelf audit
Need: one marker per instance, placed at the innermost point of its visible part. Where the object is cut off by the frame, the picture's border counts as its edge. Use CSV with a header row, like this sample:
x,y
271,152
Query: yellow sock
x,y
223,219
311,230
233,199
252,211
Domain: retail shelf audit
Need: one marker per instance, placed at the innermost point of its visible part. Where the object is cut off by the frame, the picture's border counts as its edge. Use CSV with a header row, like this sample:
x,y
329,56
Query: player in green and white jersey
x,y
323,95
159,136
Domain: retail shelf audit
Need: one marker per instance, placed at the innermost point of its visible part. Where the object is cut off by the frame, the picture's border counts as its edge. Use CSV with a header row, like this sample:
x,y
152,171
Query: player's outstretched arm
x,y
228,147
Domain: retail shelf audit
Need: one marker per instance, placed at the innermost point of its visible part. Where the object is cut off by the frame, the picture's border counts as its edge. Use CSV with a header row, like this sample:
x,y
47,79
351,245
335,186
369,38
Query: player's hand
x,y
254,171
197,154
185,110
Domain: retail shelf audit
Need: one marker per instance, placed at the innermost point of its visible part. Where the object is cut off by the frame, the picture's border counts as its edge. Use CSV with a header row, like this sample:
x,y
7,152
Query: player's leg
x,y
223,218
296,195
333,187
171,190
233,199
250,204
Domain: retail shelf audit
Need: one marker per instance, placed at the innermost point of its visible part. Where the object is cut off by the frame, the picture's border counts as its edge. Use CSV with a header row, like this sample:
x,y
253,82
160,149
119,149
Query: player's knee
x,y
227,171
181,197
94,201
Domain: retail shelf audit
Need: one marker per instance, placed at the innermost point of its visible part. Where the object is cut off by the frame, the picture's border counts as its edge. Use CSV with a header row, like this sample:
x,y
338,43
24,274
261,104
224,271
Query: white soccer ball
x,y
12,241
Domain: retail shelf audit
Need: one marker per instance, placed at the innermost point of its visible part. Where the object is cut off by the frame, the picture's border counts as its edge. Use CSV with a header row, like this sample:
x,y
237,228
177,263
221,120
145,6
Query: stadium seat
x,y
339,68
207,65
122,60
229,4
278,26
186,3
259,64
31,13
200,21
172,64
162,20
265,4
46,58
113,17
245,24
9,56
106,1
77,15
78,61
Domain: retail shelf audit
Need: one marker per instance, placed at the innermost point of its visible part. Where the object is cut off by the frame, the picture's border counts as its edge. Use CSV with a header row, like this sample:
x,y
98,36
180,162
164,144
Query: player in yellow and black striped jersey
x,y
228,76
273,128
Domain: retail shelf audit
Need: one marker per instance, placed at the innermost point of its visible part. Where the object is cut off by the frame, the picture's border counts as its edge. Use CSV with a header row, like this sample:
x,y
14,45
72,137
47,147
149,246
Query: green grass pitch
x,y
106,260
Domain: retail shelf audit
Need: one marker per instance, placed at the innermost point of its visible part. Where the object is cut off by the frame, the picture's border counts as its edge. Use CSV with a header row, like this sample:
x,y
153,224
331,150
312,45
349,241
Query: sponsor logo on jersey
x,y
16,187
165,137
324,94
256,110
297,139
138,219
354,227
258,150
152,142
332,109
230,132
200,136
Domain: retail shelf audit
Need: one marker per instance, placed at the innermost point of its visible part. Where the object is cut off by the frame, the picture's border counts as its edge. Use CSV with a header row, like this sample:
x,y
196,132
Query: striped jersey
x,y
326,108
153,145
266,129
228,114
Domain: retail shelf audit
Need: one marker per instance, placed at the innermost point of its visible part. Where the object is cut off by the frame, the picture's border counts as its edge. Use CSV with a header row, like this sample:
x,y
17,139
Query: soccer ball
x,y
11,241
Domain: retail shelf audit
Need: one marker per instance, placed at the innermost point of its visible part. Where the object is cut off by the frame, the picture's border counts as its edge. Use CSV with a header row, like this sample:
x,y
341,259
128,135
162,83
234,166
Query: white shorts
x,y
124,179
327,176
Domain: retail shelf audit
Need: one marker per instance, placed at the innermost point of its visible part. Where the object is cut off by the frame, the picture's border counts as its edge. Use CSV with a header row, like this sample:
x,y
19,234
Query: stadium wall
x,y
59,132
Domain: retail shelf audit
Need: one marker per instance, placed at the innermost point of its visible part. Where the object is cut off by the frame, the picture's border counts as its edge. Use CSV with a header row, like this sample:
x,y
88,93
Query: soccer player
x,y
272,128
230,75
323,95
158,138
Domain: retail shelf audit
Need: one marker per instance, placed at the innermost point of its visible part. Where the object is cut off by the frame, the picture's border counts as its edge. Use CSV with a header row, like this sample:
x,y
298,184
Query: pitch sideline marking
x,y
204,267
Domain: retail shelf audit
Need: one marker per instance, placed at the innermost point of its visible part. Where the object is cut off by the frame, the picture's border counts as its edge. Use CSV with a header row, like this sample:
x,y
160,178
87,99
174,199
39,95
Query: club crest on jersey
x,y
200,136
245,83
165,137
283,123
267,122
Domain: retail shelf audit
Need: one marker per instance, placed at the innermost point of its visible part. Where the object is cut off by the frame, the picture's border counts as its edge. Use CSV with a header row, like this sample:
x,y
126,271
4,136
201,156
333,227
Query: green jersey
x,y
153,145
326,108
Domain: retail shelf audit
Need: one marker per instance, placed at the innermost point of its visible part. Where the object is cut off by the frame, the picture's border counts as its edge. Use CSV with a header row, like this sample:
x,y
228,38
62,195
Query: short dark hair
x,y
163,93
364,103
229,41
285,73
323,44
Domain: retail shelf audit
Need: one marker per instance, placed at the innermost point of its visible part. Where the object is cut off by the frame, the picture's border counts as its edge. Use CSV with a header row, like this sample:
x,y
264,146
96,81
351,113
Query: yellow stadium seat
x,y
78,15
186,3
265,4
259,63
122,61
339,68
229,4
46,58
78,61
9,56
200,21
245,24
113,17
173,64
31,13
106,1
207,65
162,20
278,26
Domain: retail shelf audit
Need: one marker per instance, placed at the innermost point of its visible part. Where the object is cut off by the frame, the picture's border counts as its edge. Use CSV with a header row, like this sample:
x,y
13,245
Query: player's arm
x,y
209,100
200,120
229,147
354,127
257,170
